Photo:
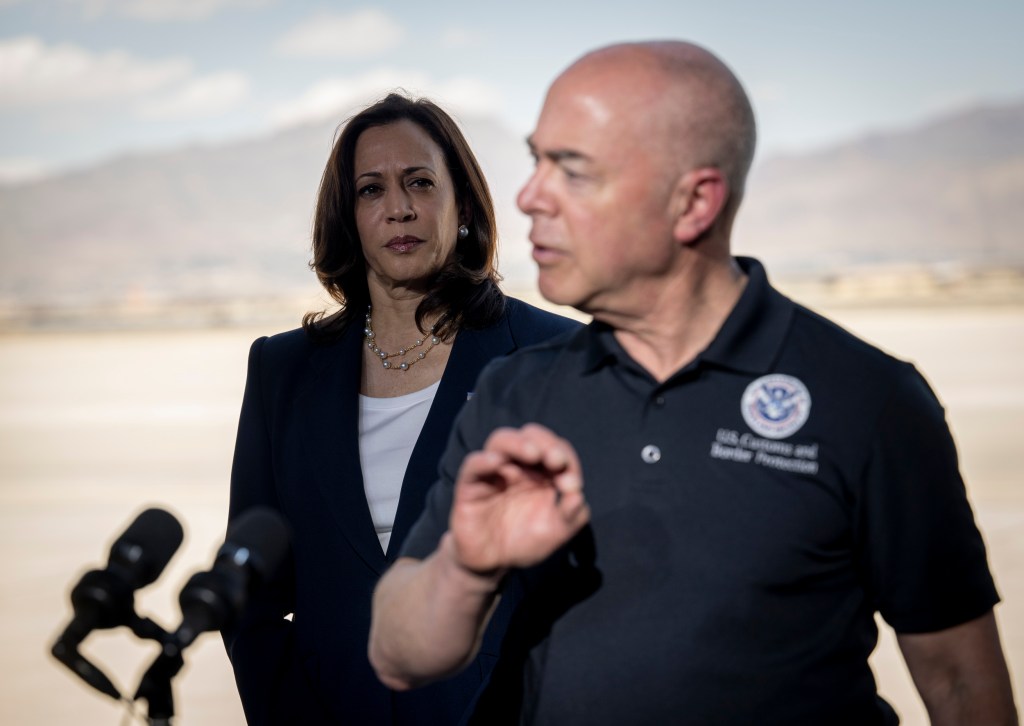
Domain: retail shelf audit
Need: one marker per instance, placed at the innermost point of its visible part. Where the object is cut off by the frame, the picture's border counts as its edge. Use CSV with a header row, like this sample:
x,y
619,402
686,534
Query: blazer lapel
x,y
329,410
472,350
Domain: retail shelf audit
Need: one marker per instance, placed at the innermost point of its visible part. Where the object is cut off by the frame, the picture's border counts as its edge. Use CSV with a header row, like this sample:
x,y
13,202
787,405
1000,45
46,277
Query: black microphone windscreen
x,y
264,534
147,546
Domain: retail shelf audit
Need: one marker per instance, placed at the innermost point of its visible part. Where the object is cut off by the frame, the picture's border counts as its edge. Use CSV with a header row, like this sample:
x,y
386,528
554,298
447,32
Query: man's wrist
x,y
484,582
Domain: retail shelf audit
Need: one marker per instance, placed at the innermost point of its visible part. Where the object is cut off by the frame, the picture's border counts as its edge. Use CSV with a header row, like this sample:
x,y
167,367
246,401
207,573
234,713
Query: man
x,y
758,483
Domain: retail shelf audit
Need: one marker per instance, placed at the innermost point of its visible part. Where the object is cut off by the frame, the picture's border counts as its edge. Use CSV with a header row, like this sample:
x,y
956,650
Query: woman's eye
x,y
421,183
369,190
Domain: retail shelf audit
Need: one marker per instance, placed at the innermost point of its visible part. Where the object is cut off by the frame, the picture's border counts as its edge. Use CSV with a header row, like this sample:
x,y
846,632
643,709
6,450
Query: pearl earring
x,y
463,231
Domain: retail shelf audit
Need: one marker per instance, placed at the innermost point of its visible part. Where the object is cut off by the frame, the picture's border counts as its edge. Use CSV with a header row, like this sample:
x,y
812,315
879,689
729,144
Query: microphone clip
x,y
66,650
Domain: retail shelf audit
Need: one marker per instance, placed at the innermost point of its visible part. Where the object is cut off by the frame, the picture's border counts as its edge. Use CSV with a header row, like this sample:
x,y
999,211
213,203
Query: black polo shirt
x,y
749,517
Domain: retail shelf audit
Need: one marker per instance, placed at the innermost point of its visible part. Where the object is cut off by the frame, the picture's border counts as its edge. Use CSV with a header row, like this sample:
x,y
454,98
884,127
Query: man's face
x,y
598,198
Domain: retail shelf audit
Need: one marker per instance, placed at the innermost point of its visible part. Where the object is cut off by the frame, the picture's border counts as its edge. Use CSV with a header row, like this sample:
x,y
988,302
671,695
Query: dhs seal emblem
x,y
776,406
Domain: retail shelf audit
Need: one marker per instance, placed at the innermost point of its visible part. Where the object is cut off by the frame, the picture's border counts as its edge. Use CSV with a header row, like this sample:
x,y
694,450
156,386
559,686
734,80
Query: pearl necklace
x,y
384,356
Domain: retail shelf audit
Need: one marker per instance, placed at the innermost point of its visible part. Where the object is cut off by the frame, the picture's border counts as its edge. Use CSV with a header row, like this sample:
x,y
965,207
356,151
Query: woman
x,y
344,420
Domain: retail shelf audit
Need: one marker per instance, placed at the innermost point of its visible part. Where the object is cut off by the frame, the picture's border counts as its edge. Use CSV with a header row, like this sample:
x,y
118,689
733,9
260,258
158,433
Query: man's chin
x,y
561,294
552,292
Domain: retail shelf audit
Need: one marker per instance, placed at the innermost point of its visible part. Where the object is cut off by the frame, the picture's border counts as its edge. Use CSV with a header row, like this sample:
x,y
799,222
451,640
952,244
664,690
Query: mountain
x,y
230,222
205,222
948,192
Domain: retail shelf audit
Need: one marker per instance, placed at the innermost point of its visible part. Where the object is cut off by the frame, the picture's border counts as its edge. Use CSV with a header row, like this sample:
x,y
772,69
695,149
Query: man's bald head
x,y
681,97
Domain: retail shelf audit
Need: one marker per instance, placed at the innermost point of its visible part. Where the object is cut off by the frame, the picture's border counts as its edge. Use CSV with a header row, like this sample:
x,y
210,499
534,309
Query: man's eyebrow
x,y
557,155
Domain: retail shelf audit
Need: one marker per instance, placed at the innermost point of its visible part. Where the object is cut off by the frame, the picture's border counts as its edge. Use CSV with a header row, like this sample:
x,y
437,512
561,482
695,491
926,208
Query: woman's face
x,y
406,212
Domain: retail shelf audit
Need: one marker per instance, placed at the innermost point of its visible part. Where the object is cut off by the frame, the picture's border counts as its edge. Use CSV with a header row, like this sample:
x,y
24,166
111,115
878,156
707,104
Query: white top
x,y
388,429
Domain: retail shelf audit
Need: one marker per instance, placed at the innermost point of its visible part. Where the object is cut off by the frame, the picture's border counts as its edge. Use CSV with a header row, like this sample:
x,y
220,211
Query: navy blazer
x,y
298,451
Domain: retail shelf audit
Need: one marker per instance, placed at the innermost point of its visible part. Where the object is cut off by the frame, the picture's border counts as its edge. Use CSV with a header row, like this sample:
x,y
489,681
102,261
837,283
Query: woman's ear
x,y
698,201
464,201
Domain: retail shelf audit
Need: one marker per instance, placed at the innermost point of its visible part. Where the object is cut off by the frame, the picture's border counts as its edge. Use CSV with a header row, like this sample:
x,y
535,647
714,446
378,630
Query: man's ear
x,y
698,201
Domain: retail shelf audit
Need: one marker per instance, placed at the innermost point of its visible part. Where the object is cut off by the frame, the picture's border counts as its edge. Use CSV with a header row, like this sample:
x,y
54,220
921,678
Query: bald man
x,y
693,508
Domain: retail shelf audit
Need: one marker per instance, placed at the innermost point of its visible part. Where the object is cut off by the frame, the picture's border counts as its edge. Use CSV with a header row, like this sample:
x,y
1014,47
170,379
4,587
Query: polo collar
x,y
749,339
752,335
597,344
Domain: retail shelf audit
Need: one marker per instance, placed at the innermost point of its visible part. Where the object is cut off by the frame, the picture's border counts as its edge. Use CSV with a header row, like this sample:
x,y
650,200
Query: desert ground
x,y
94,427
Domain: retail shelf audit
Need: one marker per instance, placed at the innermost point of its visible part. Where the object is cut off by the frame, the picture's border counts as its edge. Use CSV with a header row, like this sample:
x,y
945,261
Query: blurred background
x,y
159,161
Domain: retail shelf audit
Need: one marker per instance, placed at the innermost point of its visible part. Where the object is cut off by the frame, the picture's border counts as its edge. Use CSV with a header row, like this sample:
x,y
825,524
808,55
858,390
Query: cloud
x,y
340,97
206,96
363,33
161,10
333,96
34,74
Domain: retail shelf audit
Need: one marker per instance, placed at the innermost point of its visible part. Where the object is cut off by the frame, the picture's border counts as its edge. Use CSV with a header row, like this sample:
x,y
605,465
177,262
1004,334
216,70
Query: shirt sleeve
x,y
924,557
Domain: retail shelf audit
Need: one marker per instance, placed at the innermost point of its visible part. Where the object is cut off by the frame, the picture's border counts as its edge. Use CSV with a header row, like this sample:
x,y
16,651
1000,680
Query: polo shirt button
x,y
651,454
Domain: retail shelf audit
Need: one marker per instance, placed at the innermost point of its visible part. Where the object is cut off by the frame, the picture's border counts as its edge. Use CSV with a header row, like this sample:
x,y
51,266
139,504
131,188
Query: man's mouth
x,y
543,254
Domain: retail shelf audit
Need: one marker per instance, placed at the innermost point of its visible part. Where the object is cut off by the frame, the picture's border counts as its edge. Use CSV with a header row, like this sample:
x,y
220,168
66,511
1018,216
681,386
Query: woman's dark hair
x,y
465,292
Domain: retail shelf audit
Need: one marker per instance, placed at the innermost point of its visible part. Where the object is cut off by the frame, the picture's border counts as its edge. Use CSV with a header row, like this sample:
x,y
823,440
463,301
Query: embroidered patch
x,y
776,406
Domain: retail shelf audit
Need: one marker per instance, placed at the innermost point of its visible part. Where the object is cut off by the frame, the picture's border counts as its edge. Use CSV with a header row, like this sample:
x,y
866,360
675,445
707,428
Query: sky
x,y
82,81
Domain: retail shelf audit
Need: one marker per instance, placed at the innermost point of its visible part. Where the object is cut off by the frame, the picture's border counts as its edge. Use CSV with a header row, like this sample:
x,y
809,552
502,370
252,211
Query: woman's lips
x,y
403,243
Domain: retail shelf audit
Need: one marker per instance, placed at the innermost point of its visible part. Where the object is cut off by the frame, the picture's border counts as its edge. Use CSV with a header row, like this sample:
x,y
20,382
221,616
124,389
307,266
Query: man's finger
x,y
557,454
514,445
480,466
574,509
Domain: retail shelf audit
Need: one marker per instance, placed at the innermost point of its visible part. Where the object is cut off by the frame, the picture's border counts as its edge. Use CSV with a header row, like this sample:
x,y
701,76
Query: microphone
x,y
106,598
254,549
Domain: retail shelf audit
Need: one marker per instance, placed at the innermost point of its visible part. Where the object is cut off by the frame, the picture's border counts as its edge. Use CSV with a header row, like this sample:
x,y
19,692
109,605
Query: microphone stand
x,y
155,686
156,683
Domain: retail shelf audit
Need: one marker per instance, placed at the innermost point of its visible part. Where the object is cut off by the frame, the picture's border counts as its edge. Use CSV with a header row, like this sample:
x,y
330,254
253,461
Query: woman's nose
x,y
401,207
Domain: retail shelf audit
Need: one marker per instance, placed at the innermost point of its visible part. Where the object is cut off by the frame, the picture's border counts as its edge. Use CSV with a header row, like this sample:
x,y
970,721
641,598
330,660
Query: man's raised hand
x,y
517,501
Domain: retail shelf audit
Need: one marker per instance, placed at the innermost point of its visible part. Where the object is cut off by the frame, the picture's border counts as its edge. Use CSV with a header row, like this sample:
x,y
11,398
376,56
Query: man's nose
x,y
533,197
